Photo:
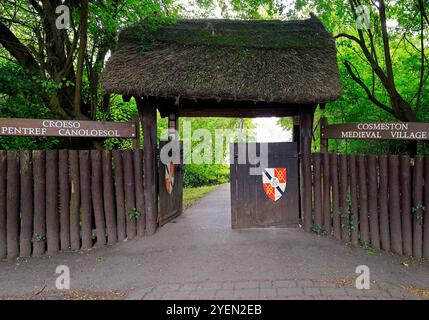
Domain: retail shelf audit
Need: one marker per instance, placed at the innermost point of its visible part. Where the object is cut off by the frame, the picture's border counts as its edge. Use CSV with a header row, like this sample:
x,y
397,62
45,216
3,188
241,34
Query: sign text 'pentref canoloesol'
x,y
66,128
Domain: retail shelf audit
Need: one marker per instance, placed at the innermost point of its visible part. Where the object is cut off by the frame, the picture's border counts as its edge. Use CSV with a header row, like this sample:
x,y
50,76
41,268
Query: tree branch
x,y
20,52
360,82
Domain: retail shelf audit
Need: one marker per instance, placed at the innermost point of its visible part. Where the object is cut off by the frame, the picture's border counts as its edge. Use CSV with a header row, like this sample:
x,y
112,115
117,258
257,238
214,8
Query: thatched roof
x,y
270,61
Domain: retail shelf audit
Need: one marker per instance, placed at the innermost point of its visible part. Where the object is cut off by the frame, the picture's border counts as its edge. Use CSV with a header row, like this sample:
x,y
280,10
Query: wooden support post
x,y
306,134
148,112
173,127
323,142
296,120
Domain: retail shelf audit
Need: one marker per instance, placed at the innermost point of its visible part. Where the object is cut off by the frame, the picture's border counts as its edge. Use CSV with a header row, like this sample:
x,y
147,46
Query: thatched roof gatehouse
x,y
226,68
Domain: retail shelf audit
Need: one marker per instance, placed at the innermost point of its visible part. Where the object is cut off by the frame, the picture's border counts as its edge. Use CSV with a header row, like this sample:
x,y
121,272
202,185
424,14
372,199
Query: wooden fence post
x,y
327,224
74,200
109,198
335,195
394,205
426,217
52,217
384,204
139,191
317,187
12,205
373,202
407,235
119,193
130,199
97,197
85,196
26,204
363,200
64,200
417,213
354,223
3,229
39,234
344,205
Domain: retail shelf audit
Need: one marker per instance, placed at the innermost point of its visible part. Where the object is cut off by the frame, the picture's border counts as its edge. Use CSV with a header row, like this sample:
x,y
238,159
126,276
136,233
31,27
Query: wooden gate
x,y
251,207
170,188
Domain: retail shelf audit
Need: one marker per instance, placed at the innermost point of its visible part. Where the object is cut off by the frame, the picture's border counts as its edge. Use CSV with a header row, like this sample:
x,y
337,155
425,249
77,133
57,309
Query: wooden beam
x,y
147,111
225,108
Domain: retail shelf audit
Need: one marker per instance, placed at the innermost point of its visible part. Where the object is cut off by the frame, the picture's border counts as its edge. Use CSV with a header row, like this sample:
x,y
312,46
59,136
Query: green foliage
x,y
417,210
19,98
201,175
134,214
354,105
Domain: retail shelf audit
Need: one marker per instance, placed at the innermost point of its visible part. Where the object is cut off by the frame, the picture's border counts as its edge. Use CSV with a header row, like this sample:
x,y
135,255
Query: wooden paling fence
x,y
377,201
61,200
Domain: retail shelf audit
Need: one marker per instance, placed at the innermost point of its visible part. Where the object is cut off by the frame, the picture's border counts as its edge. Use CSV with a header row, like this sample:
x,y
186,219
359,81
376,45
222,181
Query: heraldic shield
x,y
274,182
169,177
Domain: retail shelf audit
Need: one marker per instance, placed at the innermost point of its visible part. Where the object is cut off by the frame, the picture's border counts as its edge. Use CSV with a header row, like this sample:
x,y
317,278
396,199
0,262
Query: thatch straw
x,y
271,61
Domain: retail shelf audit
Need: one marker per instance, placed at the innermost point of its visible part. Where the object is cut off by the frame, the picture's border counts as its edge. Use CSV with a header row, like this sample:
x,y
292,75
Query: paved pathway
x,y
198,256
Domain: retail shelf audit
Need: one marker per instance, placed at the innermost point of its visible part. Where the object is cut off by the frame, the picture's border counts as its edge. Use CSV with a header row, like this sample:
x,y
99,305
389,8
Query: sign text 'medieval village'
x,y
378,130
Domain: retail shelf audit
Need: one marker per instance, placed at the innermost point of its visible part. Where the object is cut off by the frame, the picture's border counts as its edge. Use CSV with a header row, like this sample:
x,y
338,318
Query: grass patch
x,y
192,195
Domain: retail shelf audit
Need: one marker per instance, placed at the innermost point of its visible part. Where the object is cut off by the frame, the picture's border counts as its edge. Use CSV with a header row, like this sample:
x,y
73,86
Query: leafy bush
x,y
202,175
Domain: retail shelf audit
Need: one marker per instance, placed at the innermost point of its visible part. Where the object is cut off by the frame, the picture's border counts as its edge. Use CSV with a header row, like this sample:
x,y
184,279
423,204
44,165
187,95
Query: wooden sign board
x,y
377,130
66,128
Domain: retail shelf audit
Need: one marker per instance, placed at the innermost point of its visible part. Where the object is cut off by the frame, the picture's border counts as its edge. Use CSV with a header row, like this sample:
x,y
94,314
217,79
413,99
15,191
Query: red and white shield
x,y
169,177
274,182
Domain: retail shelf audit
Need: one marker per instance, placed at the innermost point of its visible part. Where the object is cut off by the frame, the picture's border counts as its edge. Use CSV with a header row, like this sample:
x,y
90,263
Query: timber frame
x,y
225,68
303,115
